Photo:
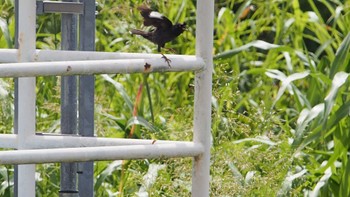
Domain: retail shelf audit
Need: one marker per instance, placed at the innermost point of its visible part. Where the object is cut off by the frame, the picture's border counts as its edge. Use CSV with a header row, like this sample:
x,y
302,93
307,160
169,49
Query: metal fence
x,y
26,62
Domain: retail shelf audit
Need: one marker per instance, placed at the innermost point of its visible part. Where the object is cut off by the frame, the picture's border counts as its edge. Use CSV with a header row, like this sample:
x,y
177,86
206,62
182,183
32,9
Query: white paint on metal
x,y
30,69
38,142
202,99
100,153
26,93
10,55
62,141
8,141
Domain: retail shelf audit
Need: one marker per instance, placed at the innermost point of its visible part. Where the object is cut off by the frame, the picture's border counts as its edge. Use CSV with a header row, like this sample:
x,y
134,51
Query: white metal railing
x,y
88,67
27,62
101,153
60,141
11,55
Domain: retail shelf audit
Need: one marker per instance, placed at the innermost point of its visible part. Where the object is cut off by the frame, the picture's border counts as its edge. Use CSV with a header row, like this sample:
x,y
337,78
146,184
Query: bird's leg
x,y
170,49
167,60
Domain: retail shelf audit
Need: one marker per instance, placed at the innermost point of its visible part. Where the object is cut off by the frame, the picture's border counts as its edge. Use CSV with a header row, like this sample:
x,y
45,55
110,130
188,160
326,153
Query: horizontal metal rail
x,y
59,7
8,141
89,67
100,153
11,55
45,141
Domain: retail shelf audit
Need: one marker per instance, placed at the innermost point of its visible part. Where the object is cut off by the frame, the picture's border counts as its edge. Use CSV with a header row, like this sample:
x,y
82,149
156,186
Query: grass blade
x,y
341,57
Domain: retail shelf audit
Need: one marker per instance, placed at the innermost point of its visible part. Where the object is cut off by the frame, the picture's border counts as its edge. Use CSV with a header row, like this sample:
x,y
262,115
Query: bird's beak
x,y
184,27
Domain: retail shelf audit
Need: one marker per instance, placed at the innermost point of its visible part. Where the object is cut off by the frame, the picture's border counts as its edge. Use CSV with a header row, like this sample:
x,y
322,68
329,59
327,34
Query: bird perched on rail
x,y
164,30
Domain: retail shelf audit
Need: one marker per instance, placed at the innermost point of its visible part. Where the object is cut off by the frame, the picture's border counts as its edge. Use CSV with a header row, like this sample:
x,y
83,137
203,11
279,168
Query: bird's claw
x,y
167,60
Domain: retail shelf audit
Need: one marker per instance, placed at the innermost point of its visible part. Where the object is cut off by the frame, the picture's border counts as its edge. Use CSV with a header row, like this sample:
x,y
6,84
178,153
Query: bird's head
x,y
180,27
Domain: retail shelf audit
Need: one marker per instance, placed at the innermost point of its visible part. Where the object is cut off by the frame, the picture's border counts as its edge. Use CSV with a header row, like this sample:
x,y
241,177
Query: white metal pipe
x,y
8,141
100,153
49,141
202,98
26,92
65,141
53,55
99,67
10,55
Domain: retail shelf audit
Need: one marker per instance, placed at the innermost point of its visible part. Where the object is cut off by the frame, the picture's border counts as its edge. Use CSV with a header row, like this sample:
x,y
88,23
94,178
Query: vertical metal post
x,y
26,92
86,96
15,120
203,94
69,31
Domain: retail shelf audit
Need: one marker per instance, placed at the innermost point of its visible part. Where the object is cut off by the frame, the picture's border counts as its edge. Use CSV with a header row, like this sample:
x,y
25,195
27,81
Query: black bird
x,y
164,30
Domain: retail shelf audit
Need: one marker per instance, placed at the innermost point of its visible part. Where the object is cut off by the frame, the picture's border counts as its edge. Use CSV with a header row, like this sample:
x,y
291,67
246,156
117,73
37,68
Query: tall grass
x,y
280,99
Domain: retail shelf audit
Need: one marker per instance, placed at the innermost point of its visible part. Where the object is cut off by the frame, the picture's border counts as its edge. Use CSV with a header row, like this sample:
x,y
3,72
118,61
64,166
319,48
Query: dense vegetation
x,y
280,99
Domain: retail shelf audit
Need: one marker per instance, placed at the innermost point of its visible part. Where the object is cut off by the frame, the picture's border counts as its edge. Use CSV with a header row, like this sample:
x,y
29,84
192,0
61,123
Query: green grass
x,y
280,99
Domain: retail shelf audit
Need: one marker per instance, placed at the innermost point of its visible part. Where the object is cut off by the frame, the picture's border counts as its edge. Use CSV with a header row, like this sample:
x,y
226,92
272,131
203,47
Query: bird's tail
x,y
138,32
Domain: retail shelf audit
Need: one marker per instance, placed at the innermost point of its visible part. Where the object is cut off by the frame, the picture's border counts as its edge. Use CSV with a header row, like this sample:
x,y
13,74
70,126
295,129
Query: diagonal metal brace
x,y
43,7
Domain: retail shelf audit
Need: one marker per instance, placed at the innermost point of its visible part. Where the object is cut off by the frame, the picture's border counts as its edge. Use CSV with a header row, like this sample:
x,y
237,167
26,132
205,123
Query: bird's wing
x,y
153,18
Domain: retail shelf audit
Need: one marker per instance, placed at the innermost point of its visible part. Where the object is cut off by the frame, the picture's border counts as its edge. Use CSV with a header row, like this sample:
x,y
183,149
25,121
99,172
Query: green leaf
x,y
345,181
322,182
121,91
341,60
338,80
236,173
106,172
288,182
261,139
221,13
305,117
342,112
141,121
241,10
260,44
286,81
150,178
4,27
